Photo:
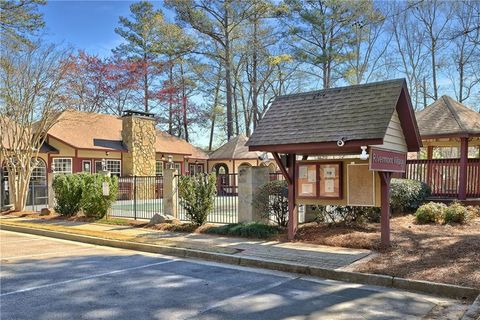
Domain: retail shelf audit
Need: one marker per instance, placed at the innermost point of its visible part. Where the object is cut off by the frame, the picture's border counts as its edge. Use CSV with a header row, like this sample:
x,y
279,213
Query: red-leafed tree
x,y
122,81
87,82
102,85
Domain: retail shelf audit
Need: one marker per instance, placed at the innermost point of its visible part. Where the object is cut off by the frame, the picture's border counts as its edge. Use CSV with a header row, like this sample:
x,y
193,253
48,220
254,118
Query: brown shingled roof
x,y
167,143
235,149
359,112
447,116
81,129
95,131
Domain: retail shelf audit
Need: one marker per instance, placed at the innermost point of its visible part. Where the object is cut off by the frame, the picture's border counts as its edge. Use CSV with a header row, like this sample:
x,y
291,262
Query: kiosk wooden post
x,y
292,206
385,178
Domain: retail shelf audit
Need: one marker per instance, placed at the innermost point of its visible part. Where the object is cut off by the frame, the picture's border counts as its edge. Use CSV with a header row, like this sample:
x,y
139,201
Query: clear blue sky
x,y
87,25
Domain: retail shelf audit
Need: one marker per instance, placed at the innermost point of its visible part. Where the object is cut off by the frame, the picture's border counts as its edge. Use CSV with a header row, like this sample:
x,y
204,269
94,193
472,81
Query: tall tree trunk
x,y
461,66
254,111
434,71
424,92
237,125
228,80
170,100
145,82
184,104
214,114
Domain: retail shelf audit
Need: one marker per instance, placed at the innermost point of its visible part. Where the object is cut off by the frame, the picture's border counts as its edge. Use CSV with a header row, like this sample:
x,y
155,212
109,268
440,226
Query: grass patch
x,y
247,230
121,222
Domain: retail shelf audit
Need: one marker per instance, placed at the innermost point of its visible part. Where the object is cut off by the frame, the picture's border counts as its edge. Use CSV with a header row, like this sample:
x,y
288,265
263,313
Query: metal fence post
x,y
135,197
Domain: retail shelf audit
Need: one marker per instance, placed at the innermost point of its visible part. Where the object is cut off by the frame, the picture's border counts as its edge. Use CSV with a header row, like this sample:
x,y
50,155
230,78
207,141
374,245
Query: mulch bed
x,y
439,253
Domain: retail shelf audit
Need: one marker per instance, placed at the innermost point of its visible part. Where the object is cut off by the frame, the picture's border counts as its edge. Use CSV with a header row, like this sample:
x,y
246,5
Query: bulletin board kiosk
x,y
340,146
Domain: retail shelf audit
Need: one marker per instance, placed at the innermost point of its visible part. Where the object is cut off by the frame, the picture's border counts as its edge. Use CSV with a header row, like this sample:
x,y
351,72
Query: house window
x,y
39,173
159,168
114,166
195,168
87,166
62,165
178,166
191,169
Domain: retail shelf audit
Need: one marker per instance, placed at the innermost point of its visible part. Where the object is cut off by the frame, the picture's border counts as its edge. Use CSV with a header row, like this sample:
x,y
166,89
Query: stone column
x,y
170,192
250,179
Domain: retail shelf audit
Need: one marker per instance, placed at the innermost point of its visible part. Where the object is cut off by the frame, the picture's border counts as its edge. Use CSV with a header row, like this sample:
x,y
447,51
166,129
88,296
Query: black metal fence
x,y
37,197
225,209
138,197
142,197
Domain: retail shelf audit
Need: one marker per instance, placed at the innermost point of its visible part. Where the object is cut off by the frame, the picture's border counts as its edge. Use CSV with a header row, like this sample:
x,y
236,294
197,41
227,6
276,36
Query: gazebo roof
x,y
234,149
448,117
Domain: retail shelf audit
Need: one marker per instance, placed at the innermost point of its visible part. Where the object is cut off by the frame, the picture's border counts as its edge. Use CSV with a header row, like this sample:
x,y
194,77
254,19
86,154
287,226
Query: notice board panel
x,y
360,185
330,180
307,180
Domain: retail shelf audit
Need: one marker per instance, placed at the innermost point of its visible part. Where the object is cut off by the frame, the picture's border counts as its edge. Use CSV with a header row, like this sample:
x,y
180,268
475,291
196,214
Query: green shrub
x,y
248,230
271,200
456,213
197,196
407,195
68,191
94,203
473,211
431,212
348,215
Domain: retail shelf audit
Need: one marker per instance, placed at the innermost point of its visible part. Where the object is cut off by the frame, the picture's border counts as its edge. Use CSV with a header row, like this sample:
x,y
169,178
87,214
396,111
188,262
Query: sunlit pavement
x,y
43,278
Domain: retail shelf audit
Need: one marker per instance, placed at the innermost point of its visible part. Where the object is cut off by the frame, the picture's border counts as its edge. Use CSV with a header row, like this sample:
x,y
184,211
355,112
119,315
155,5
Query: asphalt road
x,y
44,278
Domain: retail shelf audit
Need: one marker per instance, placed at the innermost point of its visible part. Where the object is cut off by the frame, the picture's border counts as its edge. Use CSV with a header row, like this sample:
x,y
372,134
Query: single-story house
x,y
126,146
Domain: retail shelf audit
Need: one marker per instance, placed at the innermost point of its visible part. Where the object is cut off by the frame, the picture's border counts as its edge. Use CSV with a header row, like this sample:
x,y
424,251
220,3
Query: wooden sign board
x,y
360,185
386,160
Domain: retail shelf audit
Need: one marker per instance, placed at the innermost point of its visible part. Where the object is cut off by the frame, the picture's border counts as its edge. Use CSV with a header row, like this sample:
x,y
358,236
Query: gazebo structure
x,y
233,154
227,160
449,126
373,121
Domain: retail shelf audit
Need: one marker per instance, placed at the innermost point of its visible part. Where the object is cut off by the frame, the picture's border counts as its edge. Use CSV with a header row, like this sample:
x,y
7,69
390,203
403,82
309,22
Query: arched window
x,y
39,173
245,164
221,168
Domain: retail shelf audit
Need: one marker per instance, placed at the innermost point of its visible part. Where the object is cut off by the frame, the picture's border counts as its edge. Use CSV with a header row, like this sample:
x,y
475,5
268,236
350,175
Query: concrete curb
x,y
438,289
473,312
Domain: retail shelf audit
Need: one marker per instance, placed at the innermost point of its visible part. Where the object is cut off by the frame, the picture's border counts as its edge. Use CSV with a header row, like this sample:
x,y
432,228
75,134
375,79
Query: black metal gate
x,y
139,197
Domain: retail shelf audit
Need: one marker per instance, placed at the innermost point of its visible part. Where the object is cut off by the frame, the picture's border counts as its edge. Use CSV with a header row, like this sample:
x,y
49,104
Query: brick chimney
x,y
139,136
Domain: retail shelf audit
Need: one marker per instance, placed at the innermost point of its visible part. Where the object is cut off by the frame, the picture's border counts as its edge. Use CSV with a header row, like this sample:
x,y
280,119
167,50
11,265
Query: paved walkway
x,y
313,255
